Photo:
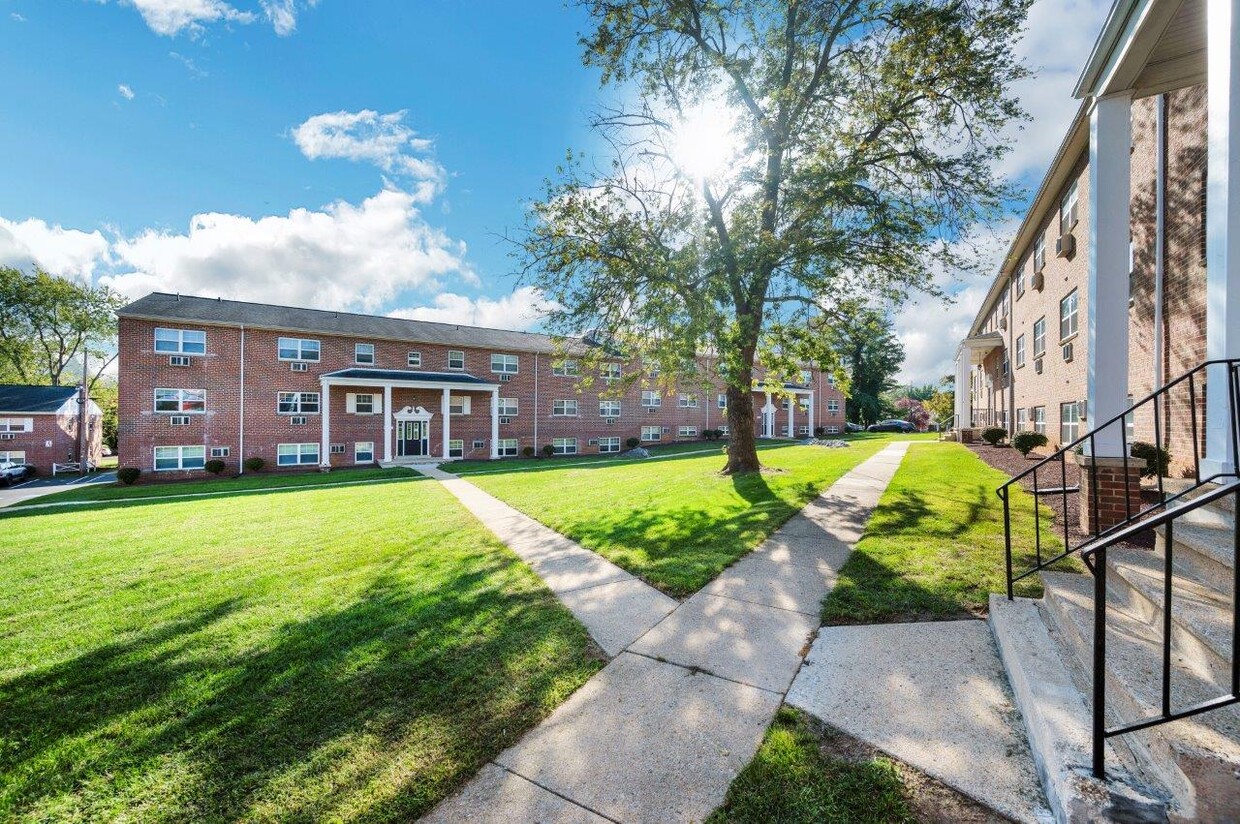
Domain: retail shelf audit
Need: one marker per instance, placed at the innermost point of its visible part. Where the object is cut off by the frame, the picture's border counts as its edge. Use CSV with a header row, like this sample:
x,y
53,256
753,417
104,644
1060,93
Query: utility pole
x,y
83,417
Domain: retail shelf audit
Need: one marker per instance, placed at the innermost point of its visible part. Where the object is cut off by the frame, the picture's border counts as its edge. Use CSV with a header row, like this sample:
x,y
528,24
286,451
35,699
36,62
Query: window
x,y
16,424
652,370
565,369
364,353
297,454
179,457
651,400
1039,254
1067,316
564,446
1130,422
610,372
220,451
508,407
1020,280
687,402
336,449
414,359
564,408
1039,419
652,433
507,447
1039,337
298,403
364,404
833,430
364,452
1004,366
1069,421
181,341
806,378
458,405
298,349
831,379
1022,419
456,449
504,364
17,456
609,409
1020,351
1067,210
687,432
606,445
833,406
182,401
802,430
456,359
721,400
723,430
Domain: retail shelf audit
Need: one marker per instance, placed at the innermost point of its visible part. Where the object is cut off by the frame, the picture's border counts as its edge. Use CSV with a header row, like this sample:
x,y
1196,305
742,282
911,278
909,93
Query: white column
x,y
494,423
447,420
1110,139
1222,224
768,418
792,405
813,422
962,390
325,448
388,421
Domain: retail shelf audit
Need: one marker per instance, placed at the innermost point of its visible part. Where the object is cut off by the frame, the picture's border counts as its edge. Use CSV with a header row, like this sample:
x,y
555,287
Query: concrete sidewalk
x,y
661,731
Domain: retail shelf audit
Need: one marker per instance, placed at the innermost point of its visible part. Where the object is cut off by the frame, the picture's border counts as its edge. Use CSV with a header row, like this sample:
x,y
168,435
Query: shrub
x,y
710,434
128,475
253,464
1156,459
215,466
548,450
994,434
819,431
528,451
633,443
1026,442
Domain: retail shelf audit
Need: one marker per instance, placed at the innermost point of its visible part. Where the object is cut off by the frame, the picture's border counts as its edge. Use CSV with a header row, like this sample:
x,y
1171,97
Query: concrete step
x,y
1204,549
1197,759
1173,485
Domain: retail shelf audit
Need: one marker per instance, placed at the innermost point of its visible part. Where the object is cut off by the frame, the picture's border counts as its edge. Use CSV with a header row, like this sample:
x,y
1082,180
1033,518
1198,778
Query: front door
x,y
411,438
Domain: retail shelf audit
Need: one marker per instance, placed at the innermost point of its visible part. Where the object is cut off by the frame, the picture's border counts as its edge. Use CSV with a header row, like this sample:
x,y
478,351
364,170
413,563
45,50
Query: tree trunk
x,y
742,446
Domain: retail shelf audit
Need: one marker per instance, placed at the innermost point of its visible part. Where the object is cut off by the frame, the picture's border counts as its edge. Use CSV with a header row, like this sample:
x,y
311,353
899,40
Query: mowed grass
x,y
346,653
934,548
676,522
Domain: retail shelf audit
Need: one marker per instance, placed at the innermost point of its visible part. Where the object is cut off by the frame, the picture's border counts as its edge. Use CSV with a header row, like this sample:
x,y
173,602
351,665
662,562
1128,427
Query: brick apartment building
x,y
39,426
204,378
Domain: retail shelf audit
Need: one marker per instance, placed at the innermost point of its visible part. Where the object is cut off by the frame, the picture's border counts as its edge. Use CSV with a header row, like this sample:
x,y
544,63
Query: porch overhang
x,y
1147,47
407,378
976,348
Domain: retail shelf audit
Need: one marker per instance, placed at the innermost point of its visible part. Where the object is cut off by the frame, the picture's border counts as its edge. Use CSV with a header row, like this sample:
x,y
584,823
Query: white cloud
x,y
171,17
369,137
282,14
125,91
17,18
67,252
189,65
519,311
341,256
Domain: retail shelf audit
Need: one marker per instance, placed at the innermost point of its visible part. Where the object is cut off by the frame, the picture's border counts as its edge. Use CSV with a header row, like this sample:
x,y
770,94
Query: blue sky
x,y
339,154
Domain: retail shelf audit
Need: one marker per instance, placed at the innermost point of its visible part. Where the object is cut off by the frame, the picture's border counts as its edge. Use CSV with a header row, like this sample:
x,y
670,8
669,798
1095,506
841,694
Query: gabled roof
x,y
356,373
219,312
22,398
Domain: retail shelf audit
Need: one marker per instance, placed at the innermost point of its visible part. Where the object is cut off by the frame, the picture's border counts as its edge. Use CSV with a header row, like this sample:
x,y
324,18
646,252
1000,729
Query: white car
x,y
11,473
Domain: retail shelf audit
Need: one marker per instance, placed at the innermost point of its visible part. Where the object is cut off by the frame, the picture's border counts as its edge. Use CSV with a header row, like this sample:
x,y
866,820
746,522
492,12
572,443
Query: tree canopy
x,y
872,356
777,159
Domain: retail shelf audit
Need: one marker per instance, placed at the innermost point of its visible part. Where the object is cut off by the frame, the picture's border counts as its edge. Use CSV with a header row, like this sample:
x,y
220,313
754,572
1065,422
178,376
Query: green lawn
x,y
336,653
934,549
676,522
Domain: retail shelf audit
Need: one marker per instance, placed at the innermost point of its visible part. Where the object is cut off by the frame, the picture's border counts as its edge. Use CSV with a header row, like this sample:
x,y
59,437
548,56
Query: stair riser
x,y
1188,560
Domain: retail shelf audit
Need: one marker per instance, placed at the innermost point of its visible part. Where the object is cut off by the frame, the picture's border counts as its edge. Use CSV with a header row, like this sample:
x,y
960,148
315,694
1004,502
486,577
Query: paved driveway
x,y
38,487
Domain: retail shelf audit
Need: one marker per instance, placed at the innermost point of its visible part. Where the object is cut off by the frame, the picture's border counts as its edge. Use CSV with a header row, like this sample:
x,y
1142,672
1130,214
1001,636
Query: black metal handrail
x,y
1192,380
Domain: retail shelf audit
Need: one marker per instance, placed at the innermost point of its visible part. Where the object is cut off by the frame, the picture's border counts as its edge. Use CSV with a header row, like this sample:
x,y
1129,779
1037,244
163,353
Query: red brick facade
x,y
48,437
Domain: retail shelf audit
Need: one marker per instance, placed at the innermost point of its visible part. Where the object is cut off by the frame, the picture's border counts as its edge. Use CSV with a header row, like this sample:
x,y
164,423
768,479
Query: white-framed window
x,y
609,409
508,407
336,449
456,449
1020,351
458,405
566,369
721,400
220,451
1020,280
833,405
1039,253
181,401
504,364
564,408
16,424
1022,418
364,354
831,379
833,430
1069,421
180,341
606,445
364,452
179,457
17,456
456,359
686,432
1067,210
652,433
298,403
1039,337
1039,419
363,403
687,401
723,430
564,446
297,454
1068,316
651,400
414,359
807,377
298,349
802,430
610,372
507,447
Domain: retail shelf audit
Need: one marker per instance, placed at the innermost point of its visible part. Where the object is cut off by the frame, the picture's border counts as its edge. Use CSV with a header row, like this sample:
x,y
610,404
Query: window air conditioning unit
x,y
611,420
1003,323
1037,365
505,378
1081,410
179,420
1066,351
480,444
297,420
666,430
7,436
505,420
178,360
593,442
652,409
299,367
336,449
1038,280
1065,246
1033,412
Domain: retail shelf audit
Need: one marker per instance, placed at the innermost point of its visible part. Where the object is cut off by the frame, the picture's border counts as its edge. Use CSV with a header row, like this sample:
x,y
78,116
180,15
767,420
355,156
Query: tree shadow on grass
x,y
376,709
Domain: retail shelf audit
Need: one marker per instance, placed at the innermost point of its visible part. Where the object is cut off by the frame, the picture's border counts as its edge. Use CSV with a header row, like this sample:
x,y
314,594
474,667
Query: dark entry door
x,y
411,438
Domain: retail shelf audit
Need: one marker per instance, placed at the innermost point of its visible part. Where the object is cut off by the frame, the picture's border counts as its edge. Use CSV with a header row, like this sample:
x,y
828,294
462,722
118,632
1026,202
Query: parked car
x,y
11,473
853,427
891,426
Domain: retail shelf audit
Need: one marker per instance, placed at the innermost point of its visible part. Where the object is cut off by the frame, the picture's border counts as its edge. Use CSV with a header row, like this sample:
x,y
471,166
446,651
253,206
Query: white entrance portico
x,y
794,394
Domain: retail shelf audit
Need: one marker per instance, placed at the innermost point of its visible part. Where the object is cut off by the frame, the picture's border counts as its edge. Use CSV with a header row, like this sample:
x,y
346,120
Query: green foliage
x,y
215,466
106,394
942,407
528,451
548,450
254,464
1157,460
128,475
994,435
632,443
872,355
1026,442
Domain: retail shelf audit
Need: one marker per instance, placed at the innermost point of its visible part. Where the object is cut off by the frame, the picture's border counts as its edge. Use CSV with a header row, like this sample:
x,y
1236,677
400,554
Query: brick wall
x,y
53,439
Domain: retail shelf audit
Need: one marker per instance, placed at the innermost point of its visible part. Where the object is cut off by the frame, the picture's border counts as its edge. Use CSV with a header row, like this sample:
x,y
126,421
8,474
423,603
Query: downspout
x,y
1011,357
241,411
535,403
1160,235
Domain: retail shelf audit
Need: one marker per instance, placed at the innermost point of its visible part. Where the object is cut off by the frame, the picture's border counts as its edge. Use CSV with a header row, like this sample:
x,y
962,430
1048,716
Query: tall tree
x,y
872,355
777,157
942,406
48,322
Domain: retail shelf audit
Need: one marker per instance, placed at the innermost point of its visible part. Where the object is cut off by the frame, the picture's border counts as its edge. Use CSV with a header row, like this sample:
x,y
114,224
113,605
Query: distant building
x,y
39,426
